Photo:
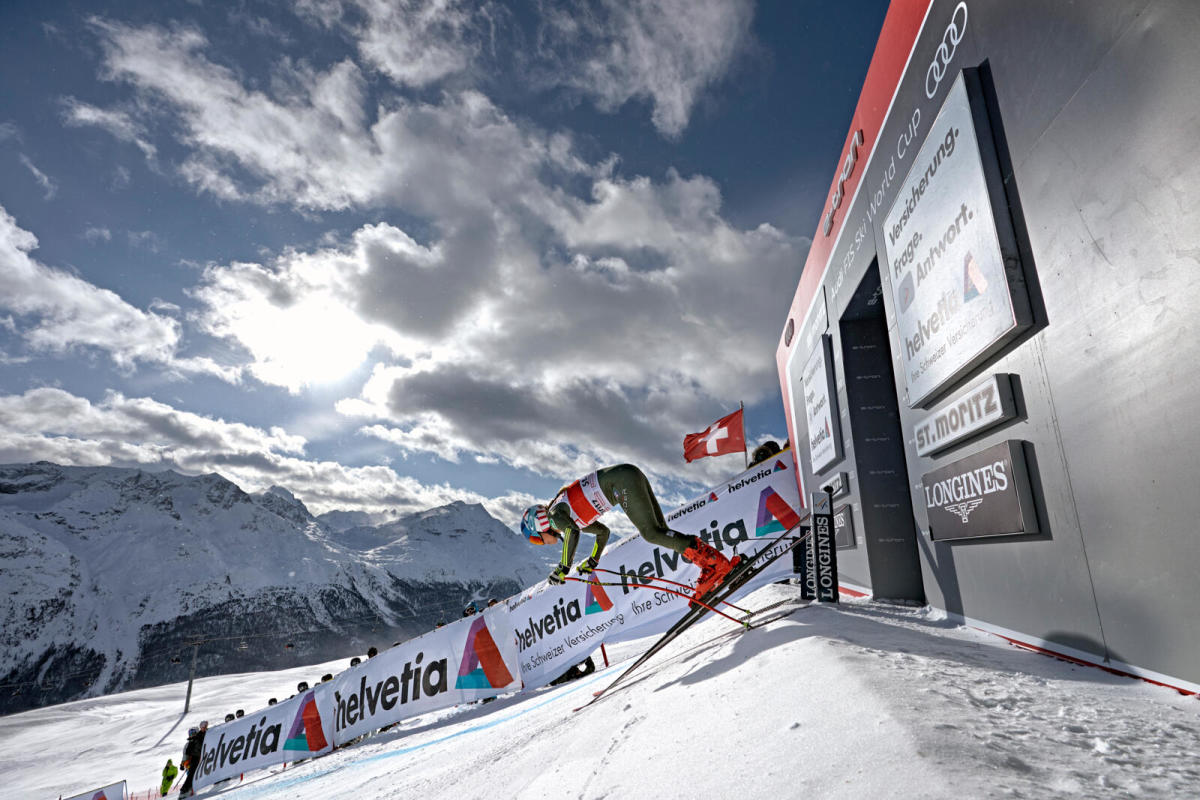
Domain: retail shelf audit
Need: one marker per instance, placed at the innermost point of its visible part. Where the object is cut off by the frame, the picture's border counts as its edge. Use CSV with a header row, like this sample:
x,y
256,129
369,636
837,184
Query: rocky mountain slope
x,y
108,575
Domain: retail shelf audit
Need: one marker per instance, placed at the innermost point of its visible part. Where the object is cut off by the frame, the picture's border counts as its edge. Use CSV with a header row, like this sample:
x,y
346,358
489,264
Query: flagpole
x,y
745,452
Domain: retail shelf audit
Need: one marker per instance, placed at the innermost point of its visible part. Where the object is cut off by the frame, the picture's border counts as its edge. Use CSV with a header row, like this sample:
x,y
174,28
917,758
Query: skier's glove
x,y
559,576
587,565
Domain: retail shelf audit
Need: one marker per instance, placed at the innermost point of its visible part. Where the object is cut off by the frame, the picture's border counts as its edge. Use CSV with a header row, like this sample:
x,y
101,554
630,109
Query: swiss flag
x,y
726,435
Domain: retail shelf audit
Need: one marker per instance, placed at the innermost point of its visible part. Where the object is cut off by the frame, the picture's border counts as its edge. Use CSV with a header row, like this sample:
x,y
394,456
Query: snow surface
x,y
862,700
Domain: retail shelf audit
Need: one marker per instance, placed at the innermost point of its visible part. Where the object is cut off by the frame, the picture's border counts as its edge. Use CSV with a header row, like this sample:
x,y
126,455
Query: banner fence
x,y
522,643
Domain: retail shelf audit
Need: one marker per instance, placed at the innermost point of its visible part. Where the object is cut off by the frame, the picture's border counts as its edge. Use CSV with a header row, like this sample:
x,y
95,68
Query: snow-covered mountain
x,y
108,574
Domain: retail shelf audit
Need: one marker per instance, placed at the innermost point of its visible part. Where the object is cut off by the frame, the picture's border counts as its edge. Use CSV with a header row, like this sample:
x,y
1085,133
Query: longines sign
x,y
984,494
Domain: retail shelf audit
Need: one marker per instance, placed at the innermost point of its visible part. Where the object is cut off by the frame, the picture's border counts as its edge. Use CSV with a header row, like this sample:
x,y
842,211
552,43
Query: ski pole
x,y
663,589
639,578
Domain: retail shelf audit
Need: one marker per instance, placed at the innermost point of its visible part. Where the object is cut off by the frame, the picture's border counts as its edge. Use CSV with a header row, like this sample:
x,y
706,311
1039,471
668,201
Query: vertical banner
x,y
808,568
823,548
299,727
114,792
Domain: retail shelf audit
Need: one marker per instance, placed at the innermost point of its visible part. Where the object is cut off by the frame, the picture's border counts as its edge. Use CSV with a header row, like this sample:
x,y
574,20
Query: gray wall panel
x,y
1112,206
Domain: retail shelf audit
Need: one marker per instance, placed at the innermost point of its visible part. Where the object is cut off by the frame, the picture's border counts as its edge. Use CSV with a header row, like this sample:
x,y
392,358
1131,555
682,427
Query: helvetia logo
x,y
779,467
712,497
482,665
974,284
306,733
596,601
774,514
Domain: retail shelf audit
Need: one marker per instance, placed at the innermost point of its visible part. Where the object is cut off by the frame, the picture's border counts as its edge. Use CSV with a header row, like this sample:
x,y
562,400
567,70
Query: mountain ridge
x,y
110,573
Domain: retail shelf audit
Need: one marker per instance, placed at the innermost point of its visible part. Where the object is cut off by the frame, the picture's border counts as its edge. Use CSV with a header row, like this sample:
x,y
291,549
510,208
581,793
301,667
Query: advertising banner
x,y
950,287
556,627
820,405
114,792
984,494
299,727
843,527
472,658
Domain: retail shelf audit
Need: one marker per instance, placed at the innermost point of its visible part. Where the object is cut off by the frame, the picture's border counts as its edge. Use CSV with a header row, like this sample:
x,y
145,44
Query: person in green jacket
x,y
169,773
578,506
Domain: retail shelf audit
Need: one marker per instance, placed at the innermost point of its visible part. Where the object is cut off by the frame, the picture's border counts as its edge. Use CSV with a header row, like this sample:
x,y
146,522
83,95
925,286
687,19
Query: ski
x,y
736,579
636,581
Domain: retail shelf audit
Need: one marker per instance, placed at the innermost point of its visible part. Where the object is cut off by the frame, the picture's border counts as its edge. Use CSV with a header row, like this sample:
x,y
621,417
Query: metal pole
x,y
188,702
745,451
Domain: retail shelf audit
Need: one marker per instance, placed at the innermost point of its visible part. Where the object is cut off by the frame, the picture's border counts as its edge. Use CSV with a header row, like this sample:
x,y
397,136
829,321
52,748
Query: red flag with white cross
x,y
726,435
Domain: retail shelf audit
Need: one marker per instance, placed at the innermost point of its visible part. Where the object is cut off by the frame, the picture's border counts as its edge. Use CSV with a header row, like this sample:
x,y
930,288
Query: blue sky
x,y
394,254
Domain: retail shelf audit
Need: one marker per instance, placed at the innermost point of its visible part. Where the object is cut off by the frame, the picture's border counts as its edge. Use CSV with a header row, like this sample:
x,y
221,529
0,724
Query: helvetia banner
x,y
556,627
299,727
472,658
114,792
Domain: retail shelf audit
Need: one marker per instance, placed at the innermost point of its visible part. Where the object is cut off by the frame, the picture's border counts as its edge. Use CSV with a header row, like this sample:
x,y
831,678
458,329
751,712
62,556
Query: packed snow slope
x,y
862,700
107,574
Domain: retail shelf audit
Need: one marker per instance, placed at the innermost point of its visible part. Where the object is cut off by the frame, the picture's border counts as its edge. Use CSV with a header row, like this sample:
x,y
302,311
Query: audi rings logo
x,y
945,51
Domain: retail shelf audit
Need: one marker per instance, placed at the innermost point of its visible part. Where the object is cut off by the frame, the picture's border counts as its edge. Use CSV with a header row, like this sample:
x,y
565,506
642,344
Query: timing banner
x,y
469,659
556,627
114,792
299,727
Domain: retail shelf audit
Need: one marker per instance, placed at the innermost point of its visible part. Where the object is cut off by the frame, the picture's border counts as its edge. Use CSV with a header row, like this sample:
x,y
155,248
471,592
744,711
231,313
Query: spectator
x,y
302,686
469,610
193,751
585,667
492,602
440,624
239,713
272,701
169,773
764,451
229,717
328,676
372,651
354,662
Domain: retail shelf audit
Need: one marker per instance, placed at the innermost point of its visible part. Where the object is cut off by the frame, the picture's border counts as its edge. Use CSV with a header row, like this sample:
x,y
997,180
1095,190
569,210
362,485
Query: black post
x,y
187,703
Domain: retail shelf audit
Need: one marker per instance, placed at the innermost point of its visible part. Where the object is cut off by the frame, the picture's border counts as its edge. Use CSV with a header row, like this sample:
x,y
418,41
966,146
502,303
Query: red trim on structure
x,y
1083,662
851,592
897,38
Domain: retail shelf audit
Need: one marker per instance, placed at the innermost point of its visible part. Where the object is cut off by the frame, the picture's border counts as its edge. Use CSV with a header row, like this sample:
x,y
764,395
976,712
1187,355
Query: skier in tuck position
x,y
579,505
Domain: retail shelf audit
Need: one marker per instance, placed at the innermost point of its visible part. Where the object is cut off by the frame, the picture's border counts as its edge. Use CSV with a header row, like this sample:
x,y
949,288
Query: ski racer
x,y
578,506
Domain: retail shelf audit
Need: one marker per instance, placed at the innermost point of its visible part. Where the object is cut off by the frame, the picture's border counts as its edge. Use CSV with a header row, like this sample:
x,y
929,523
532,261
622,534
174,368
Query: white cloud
x,y
118,123
668,52
145,240
516,320
59,311
57,426
417,42
95,233
49,186
71,312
